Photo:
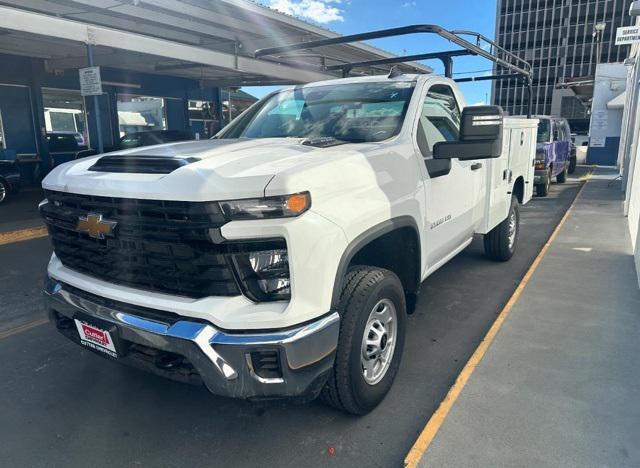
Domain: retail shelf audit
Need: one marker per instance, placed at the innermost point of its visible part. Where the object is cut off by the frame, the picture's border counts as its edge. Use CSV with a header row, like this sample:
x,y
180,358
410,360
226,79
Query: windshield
x,y
544,131
357,112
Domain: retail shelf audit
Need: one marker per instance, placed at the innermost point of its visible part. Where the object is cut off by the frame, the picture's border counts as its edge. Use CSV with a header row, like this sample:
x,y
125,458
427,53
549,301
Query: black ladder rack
x,y
519,68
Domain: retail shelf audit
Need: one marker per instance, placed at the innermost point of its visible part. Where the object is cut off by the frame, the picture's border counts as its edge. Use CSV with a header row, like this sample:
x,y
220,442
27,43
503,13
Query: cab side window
x,y
439,119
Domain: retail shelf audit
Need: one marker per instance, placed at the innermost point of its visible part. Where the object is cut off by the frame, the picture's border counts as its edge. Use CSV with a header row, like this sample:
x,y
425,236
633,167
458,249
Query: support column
x,y
448,66
96,104
37,108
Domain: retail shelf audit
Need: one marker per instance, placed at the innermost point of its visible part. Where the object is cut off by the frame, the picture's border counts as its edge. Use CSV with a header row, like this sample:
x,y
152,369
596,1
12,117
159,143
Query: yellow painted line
x,y
588,175
437,419
22,235
22,328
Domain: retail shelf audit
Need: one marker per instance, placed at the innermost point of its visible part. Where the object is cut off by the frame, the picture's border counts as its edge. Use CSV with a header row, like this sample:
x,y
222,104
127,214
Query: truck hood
x,y
225,169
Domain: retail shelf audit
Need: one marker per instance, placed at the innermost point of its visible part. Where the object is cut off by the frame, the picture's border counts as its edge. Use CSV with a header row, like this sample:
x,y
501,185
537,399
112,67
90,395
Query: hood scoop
x,y
323,142
140,164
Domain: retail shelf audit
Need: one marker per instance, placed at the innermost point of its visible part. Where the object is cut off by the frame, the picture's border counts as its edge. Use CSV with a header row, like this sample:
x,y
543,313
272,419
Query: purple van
x,y
553,152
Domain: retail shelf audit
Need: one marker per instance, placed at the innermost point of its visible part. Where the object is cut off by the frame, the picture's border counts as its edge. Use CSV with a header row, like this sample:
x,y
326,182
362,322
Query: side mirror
x,y
480,135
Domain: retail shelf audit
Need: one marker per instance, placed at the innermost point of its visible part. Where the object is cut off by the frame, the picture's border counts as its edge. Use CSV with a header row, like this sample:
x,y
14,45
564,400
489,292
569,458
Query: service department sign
x,y
628,35
90,82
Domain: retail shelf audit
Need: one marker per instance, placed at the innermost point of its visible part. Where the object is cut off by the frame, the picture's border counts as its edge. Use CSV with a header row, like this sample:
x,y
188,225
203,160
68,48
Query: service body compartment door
x,y
497,176
530,161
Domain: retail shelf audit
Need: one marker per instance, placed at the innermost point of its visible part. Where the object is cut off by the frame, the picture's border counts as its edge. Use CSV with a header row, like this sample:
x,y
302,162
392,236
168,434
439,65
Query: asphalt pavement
x,y
20,211
64,406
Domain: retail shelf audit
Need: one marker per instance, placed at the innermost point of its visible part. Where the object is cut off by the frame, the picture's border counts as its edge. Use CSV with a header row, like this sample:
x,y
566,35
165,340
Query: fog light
x,y
266,364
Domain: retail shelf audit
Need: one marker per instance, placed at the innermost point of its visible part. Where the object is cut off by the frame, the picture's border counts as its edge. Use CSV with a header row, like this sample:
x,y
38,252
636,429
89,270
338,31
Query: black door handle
x,y
476,166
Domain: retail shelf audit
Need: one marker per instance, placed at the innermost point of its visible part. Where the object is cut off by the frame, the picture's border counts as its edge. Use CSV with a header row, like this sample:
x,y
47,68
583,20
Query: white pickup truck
x,y
281,258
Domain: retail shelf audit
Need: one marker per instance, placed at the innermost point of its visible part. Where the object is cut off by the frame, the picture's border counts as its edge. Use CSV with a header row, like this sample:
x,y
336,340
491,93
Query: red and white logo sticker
x,y
96,338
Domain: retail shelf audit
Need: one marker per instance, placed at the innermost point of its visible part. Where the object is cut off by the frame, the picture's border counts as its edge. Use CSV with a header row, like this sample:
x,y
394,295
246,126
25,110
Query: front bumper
x,y
196,352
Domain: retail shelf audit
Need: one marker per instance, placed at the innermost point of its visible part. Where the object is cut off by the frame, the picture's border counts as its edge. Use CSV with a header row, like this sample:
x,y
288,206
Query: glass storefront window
x,y
65,114
141,113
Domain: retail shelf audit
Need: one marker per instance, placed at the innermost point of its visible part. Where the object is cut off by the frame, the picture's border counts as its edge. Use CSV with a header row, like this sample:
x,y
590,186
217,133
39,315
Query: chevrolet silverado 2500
x,y
281,258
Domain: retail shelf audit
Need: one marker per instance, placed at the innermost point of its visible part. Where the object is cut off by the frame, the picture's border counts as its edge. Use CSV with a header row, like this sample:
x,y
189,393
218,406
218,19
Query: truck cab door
x,y
449,184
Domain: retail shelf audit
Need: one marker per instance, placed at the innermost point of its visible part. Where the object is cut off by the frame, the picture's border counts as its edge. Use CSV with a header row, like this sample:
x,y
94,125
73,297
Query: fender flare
x,y
365,238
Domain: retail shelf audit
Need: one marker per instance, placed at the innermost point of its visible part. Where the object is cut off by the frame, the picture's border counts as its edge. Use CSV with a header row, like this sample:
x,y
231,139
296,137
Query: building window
x,y
140,113
65,114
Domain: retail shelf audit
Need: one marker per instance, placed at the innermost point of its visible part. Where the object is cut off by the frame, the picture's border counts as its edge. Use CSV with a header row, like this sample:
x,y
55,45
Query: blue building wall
x,y
21,83
606,155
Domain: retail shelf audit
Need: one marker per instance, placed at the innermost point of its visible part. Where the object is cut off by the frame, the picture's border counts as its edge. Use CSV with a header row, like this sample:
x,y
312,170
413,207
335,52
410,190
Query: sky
x,y
354,16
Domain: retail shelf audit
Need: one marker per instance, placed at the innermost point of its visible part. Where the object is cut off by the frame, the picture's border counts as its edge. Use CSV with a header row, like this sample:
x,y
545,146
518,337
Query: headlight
x,y
264,274
284,206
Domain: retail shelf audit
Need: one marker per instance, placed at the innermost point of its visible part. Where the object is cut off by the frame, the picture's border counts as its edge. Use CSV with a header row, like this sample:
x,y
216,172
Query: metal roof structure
x,y
209,40
481,46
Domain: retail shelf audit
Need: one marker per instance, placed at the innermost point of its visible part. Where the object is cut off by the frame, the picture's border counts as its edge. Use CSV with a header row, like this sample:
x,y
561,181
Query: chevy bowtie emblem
x,y
97,227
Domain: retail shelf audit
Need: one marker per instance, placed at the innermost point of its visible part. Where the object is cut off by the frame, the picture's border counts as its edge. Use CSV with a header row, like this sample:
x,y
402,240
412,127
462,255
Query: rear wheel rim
x,y
379,341
3,192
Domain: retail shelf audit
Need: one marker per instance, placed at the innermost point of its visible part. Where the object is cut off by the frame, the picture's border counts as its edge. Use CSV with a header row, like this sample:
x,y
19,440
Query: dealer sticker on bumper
x,y
96,338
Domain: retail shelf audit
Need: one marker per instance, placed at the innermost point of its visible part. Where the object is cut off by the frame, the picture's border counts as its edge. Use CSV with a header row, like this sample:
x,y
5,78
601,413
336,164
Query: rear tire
x,y
562,177
500,243
372,322
542,190
4,190
573,162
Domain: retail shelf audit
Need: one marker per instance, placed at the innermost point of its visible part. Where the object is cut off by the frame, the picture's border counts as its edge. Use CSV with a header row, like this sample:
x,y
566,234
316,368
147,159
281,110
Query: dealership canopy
x,y
212,41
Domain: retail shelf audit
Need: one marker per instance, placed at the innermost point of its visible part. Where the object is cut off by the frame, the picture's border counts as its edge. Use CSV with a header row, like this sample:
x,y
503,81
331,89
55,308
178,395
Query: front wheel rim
x,y
3,192
379,341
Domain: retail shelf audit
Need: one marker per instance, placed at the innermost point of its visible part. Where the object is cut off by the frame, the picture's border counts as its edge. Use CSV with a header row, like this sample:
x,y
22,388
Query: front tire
x,y
372,332
500,243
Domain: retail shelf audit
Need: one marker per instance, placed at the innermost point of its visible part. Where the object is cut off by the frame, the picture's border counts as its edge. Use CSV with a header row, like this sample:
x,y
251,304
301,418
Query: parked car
x,y
9,179
77,135
255,235
579,145
553,152
281,258
63,147
153,137
581,152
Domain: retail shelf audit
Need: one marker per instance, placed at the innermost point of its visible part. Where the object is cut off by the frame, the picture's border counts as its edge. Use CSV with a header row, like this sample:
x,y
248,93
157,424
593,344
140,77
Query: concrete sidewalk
x,y
560,384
